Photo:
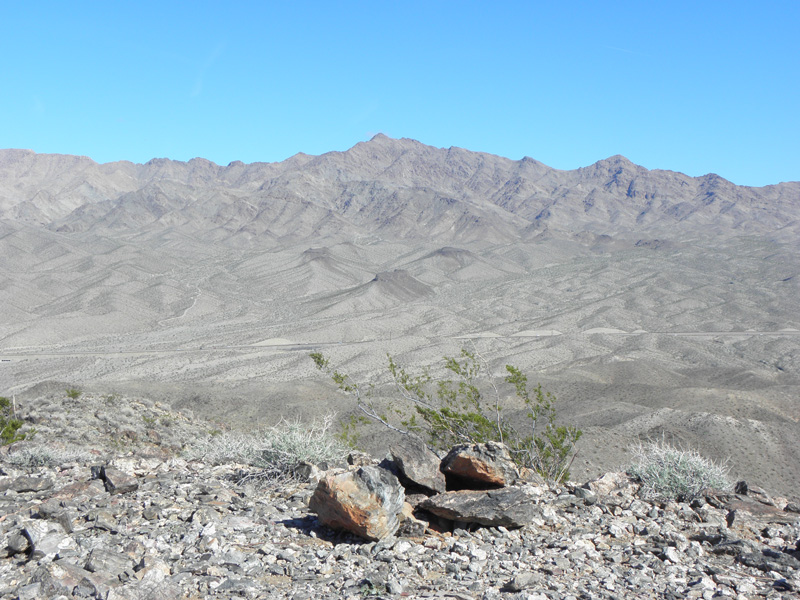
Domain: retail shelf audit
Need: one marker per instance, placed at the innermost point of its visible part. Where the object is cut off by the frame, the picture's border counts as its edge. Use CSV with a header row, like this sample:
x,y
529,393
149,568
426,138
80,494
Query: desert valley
x,y
649,302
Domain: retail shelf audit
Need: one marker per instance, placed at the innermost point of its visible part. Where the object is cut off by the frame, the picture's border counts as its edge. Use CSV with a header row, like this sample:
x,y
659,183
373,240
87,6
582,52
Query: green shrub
x,y
74,393
9,424
455,411
276,452
669,473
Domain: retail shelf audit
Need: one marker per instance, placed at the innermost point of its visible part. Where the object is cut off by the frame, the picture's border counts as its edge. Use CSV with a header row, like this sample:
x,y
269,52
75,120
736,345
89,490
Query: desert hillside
x,y
649,302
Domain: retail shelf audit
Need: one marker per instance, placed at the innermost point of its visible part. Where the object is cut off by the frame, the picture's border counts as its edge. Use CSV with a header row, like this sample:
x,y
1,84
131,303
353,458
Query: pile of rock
x,y
475,484
137,522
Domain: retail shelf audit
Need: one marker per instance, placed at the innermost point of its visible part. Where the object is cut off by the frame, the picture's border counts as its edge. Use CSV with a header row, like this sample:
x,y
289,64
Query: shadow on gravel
x,y
309,523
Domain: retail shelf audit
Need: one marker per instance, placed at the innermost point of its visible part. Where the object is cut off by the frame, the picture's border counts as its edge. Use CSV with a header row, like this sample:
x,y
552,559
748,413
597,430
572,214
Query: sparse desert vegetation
x,y
275,452
670,473
469,409
10,425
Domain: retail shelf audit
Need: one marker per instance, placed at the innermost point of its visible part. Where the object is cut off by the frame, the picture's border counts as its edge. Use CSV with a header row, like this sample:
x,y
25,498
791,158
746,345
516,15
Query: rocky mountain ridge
x,y
385,187
128,516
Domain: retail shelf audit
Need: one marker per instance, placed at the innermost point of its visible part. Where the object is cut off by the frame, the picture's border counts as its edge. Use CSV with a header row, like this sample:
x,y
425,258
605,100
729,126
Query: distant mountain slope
x,y
391,188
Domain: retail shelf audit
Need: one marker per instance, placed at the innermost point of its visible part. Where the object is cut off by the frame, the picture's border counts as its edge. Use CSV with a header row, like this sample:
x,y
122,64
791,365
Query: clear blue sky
x,y
696,87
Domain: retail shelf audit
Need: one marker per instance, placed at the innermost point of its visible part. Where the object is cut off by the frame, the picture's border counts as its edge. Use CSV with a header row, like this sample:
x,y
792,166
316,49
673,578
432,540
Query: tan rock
x,y
478,466
367,502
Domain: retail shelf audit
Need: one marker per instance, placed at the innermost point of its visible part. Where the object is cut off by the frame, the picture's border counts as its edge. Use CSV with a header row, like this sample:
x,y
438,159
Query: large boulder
x,y
366,502
418,466
510,506
479,466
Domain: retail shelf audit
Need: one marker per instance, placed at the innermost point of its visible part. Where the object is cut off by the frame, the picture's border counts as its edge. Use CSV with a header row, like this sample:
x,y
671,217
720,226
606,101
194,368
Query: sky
x,y
697,87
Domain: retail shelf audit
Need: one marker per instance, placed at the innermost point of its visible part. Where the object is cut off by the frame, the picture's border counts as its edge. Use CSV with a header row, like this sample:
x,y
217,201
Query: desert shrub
x,y
9,424
277,451
47,456
74,393
670,473
456,411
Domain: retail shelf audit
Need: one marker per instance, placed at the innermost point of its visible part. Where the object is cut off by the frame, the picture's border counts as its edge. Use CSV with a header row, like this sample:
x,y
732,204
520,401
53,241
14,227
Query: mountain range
x,y
394,189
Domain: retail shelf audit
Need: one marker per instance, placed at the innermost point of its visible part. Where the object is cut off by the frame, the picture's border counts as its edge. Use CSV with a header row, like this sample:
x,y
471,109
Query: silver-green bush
x,y
277,451
669,473
40,455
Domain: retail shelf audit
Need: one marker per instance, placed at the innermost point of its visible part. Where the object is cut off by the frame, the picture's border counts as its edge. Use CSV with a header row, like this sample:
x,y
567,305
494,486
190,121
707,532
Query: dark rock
x,y
418,466
509,507
52,511
18,543
410,526
769,560
307,472
479,466
366,502
588,496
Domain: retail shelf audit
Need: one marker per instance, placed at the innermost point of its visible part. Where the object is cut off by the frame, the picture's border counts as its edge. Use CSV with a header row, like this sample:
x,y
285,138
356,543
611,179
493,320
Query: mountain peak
x,y
617,159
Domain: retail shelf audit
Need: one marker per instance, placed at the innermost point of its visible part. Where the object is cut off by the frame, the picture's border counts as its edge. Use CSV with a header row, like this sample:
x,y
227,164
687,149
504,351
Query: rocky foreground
x,y
105,503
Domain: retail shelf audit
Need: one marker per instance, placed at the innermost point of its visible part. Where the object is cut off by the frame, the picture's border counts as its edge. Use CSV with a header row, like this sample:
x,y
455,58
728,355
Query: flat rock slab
x,y
117,482
509,506
25,484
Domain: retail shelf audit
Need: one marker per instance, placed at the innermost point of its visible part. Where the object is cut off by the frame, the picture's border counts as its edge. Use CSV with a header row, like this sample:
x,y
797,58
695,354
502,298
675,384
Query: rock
x,y
366,502
612,483
744,489
18,543
307,472
46,539
27,484
105,561
52,511
31,591
410,526
510,507
418,466
520,582
117,482
360,459
479,466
